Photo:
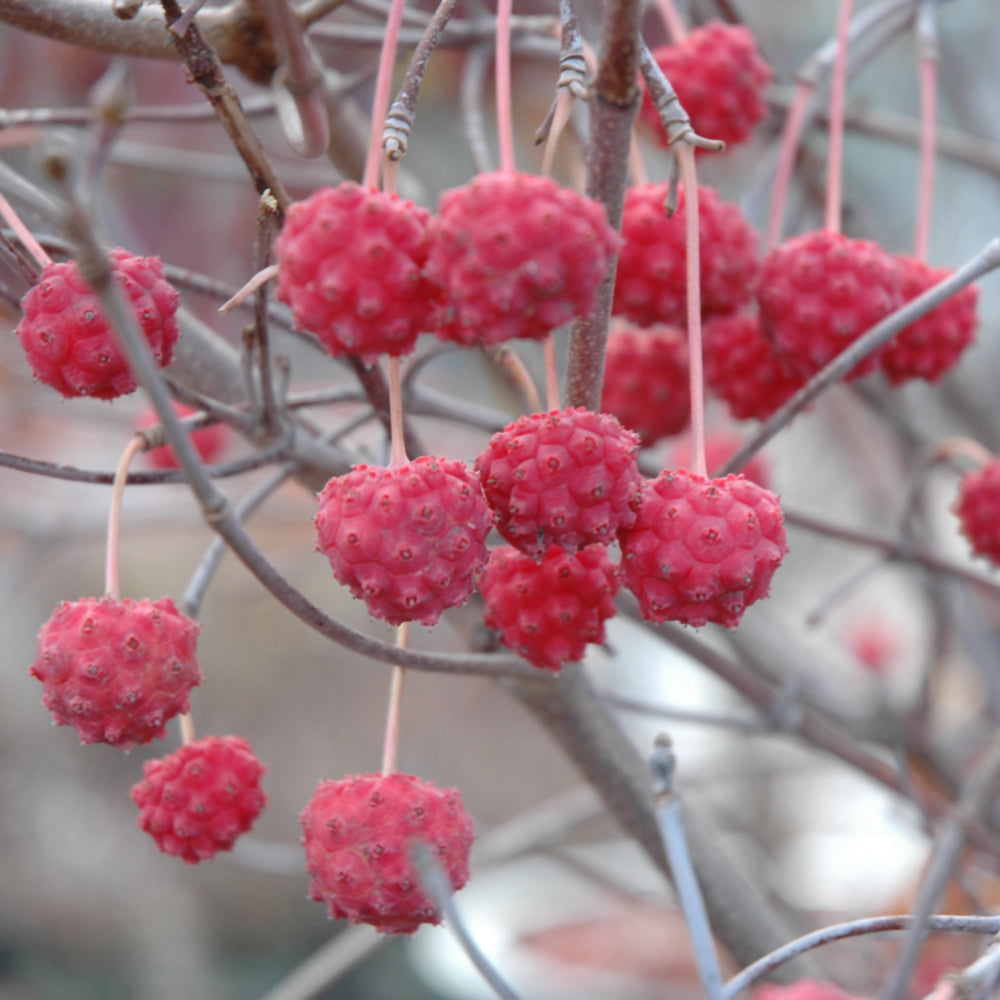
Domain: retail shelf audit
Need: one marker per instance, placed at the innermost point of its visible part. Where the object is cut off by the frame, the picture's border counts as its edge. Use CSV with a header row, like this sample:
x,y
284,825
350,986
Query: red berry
x,y
548,611
874,643
358,833
70,345
196,801
933,344
744,370
702,550
978,510
720,446
564,478
651,286
409,539
719,77
517,255
820,291
352,267
210,442
117,670
646,380
802,989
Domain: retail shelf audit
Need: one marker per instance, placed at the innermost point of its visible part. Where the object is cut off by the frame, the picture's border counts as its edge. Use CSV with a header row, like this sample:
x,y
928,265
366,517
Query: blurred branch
x,y
237,32
838,932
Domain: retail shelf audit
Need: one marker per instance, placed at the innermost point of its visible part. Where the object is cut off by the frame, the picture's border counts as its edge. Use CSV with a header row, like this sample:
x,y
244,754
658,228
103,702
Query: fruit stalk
x,y
835,158
112,586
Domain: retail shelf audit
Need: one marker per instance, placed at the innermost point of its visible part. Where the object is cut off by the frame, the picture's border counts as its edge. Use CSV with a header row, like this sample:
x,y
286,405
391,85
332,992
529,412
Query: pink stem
x,y
390,749
672,21
790,138
383,83
551,374
23,233
396,412
505,125
636,164
834,167
187,728
689,177
928,143
112,586
260,278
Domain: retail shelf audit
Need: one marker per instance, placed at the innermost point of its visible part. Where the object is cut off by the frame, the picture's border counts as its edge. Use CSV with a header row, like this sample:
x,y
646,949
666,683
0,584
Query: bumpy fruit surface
x,y
409,539
702,550
651,285
744,370
68,342
358,833
352,267
719,77
646,380
566,478
117,670
548,611
198,800
210,442
978,510
517,256
820,291
720,446
932,345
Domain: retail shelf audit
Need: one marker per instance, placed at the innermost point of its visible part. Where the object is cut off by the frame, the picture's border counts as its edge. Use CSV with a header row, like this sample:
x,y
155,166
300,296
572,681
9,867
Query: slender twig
x,y
854,928
988,259
670,817
437,885
897,549
298,83
948,847
399,120
266,215
70,473
206,71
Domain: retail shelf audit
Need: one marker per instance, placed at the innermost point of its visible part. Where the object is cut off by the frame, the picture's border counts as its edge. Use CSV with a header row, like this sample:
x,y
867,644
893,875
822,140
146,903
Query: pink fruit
x,y
210,442
802,989
702,550
548,611
358,833
117,670
517,255
978,510
820,291
68,342
651,284
744,370
564,478
932,345
646,380
720,79
352,265
408,540
198,800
